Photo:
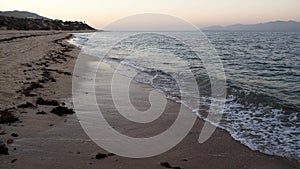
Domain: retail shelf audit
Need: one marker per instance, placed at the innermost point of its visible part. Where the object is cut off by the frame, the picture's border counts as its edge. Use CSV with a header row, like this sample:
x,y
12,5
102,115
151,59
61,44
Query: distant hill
x,y
275,26
22,20
22,14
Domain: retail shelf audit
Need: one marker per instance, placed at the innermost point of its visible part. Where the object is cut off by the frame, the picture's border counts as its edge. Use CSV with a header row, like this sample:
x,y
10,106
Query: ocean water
x,y
262,71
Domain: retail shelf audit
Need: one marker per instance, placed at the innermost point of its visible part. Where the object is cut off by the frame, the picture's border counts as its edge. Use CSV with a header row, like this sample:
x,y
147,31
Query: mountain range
x,y
274,26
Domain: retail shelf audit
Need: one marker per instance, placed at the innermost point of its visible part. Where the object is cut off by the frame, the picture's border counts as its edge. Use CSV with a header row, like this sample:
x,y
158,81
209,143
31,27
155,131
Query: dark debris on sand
x,y
14,160
3,148
165,164
60,111
100,156
7,117
46,77
9,141
49,102
33,85
111,154
168,165
15,135
26,105
59,71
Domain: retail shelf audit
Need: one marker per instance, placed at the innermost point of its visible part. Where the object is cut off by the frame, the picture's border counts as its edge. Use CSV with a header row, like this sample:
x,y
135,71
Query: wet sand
x,y
40,64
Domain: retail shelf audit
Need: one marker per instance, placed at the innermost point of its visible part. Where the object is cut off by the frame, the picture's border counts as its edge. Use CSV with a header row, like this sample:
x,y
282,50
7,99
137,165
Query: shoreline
x,y
64,144
166,120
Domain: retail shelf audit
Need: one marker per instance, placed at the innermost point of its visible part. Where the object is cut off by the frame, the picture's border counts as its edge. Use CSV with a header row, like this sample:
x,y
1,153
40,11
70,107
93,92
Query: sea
x,y
262,70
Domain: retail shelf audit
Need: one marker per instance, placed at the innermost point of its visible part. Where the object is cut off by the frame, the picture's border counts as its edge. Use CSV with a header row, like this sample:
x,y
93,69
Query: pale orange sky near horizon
x,y
99,13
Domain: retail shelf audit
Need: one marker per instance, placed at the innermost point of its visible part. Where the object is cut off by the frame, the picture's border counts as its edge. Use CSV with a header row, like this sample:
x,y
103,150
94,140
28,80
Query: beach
x,y
39,64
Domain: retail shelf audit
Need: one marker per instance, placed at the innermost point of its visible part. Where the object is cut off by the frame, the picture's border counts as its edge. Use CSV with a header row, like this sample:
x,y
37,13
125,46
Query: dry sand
x,y
51,141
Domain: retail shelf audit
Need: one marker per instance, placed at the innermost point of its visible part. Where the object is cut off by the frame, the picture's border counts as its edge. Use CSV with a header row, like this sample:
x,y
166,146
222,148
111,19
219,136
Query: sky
x,y
99,13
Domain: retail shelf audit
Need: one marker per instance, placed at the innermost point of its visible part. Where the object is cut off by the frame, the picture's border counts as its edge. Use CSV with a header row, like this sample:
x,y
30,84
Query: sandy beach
x,y
36,78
